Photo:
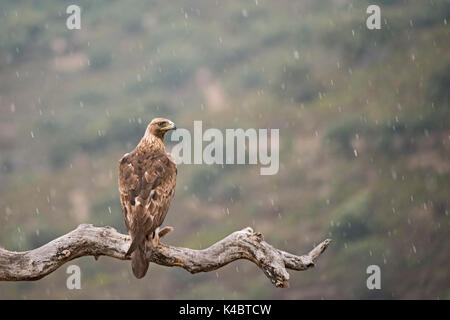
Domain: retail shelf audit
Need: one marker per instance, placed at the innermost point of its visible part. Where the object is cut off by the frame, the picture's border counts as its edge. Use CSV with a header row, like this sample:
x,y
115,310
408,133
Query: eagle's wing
x,y
146,185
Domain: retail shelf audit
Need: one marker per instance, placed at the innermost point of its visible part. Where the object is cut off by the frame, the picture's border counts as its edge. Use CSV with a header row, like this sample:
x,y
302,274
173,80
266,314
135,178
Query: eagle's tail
x,y
134,244
139,263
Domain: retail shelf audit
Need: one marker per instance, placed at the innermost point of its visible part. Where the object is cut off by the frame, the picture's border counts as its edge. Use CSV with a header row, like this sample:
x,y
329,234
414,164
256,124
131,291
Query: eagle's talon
x,y
155,238
164,231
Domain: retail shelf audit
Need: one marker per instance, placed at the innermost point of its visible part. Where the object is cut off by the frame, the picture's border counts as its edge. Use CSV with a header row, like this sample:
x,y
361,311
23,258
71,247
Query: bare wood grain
x,y
88,240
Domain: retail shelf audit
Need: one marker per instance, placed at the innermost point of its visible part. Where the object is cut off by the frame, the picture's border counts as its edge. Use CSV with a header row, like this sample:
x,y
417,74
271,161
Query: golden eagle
x,y
147,179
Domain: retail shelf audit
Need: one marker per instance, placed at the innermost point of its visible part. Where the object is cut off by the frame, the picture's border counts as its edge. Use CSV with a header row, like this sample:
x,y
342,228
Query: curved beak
x,y
171,126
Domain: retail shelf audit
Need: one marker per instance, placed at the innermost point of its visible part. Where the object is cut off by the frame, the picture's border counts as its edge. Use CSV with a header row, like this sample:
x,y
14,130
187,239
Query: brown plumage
x,y
147,178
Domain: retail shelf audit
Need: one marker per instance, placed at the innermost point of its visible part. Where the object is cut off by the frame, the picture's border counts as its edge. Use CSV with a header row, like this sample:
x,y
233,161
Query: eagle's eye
x,y
161,124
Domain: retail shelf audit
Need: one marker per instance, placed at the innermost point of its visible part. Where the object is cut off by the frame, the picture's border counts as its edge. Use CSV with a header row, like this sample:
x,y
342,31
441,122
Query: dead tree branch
x,y
87,240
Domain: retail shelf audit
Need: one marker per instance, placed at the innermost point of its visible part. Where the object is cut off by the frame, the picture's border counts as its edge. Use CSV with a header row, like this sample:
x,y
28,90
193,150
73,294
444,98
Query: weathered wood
x,y
87,240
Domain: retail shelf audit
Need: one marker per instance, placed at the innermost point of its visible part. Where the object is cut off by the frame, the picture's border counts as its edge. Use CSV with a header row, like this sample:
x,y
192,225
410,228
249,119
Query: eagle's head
x,y
159,126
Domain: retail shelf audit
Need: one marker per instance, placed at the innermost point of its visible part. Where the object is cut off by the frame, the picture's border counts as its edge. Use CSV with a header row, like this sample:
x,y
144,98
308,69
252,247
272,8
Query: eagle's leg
x,y
155,238
164,231
159,233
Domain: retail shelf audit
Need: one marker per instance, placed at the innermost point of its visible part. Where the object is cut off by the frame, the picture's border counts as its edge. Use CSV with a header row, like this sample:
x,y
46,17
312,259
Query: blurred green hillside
x,y
364,138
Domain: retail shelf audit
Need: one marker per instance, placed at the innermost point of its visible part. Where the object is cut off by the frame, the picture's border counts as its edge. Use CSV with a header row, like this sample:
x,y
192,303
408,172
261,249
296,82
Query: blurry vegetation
x,y
364,137
100,60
